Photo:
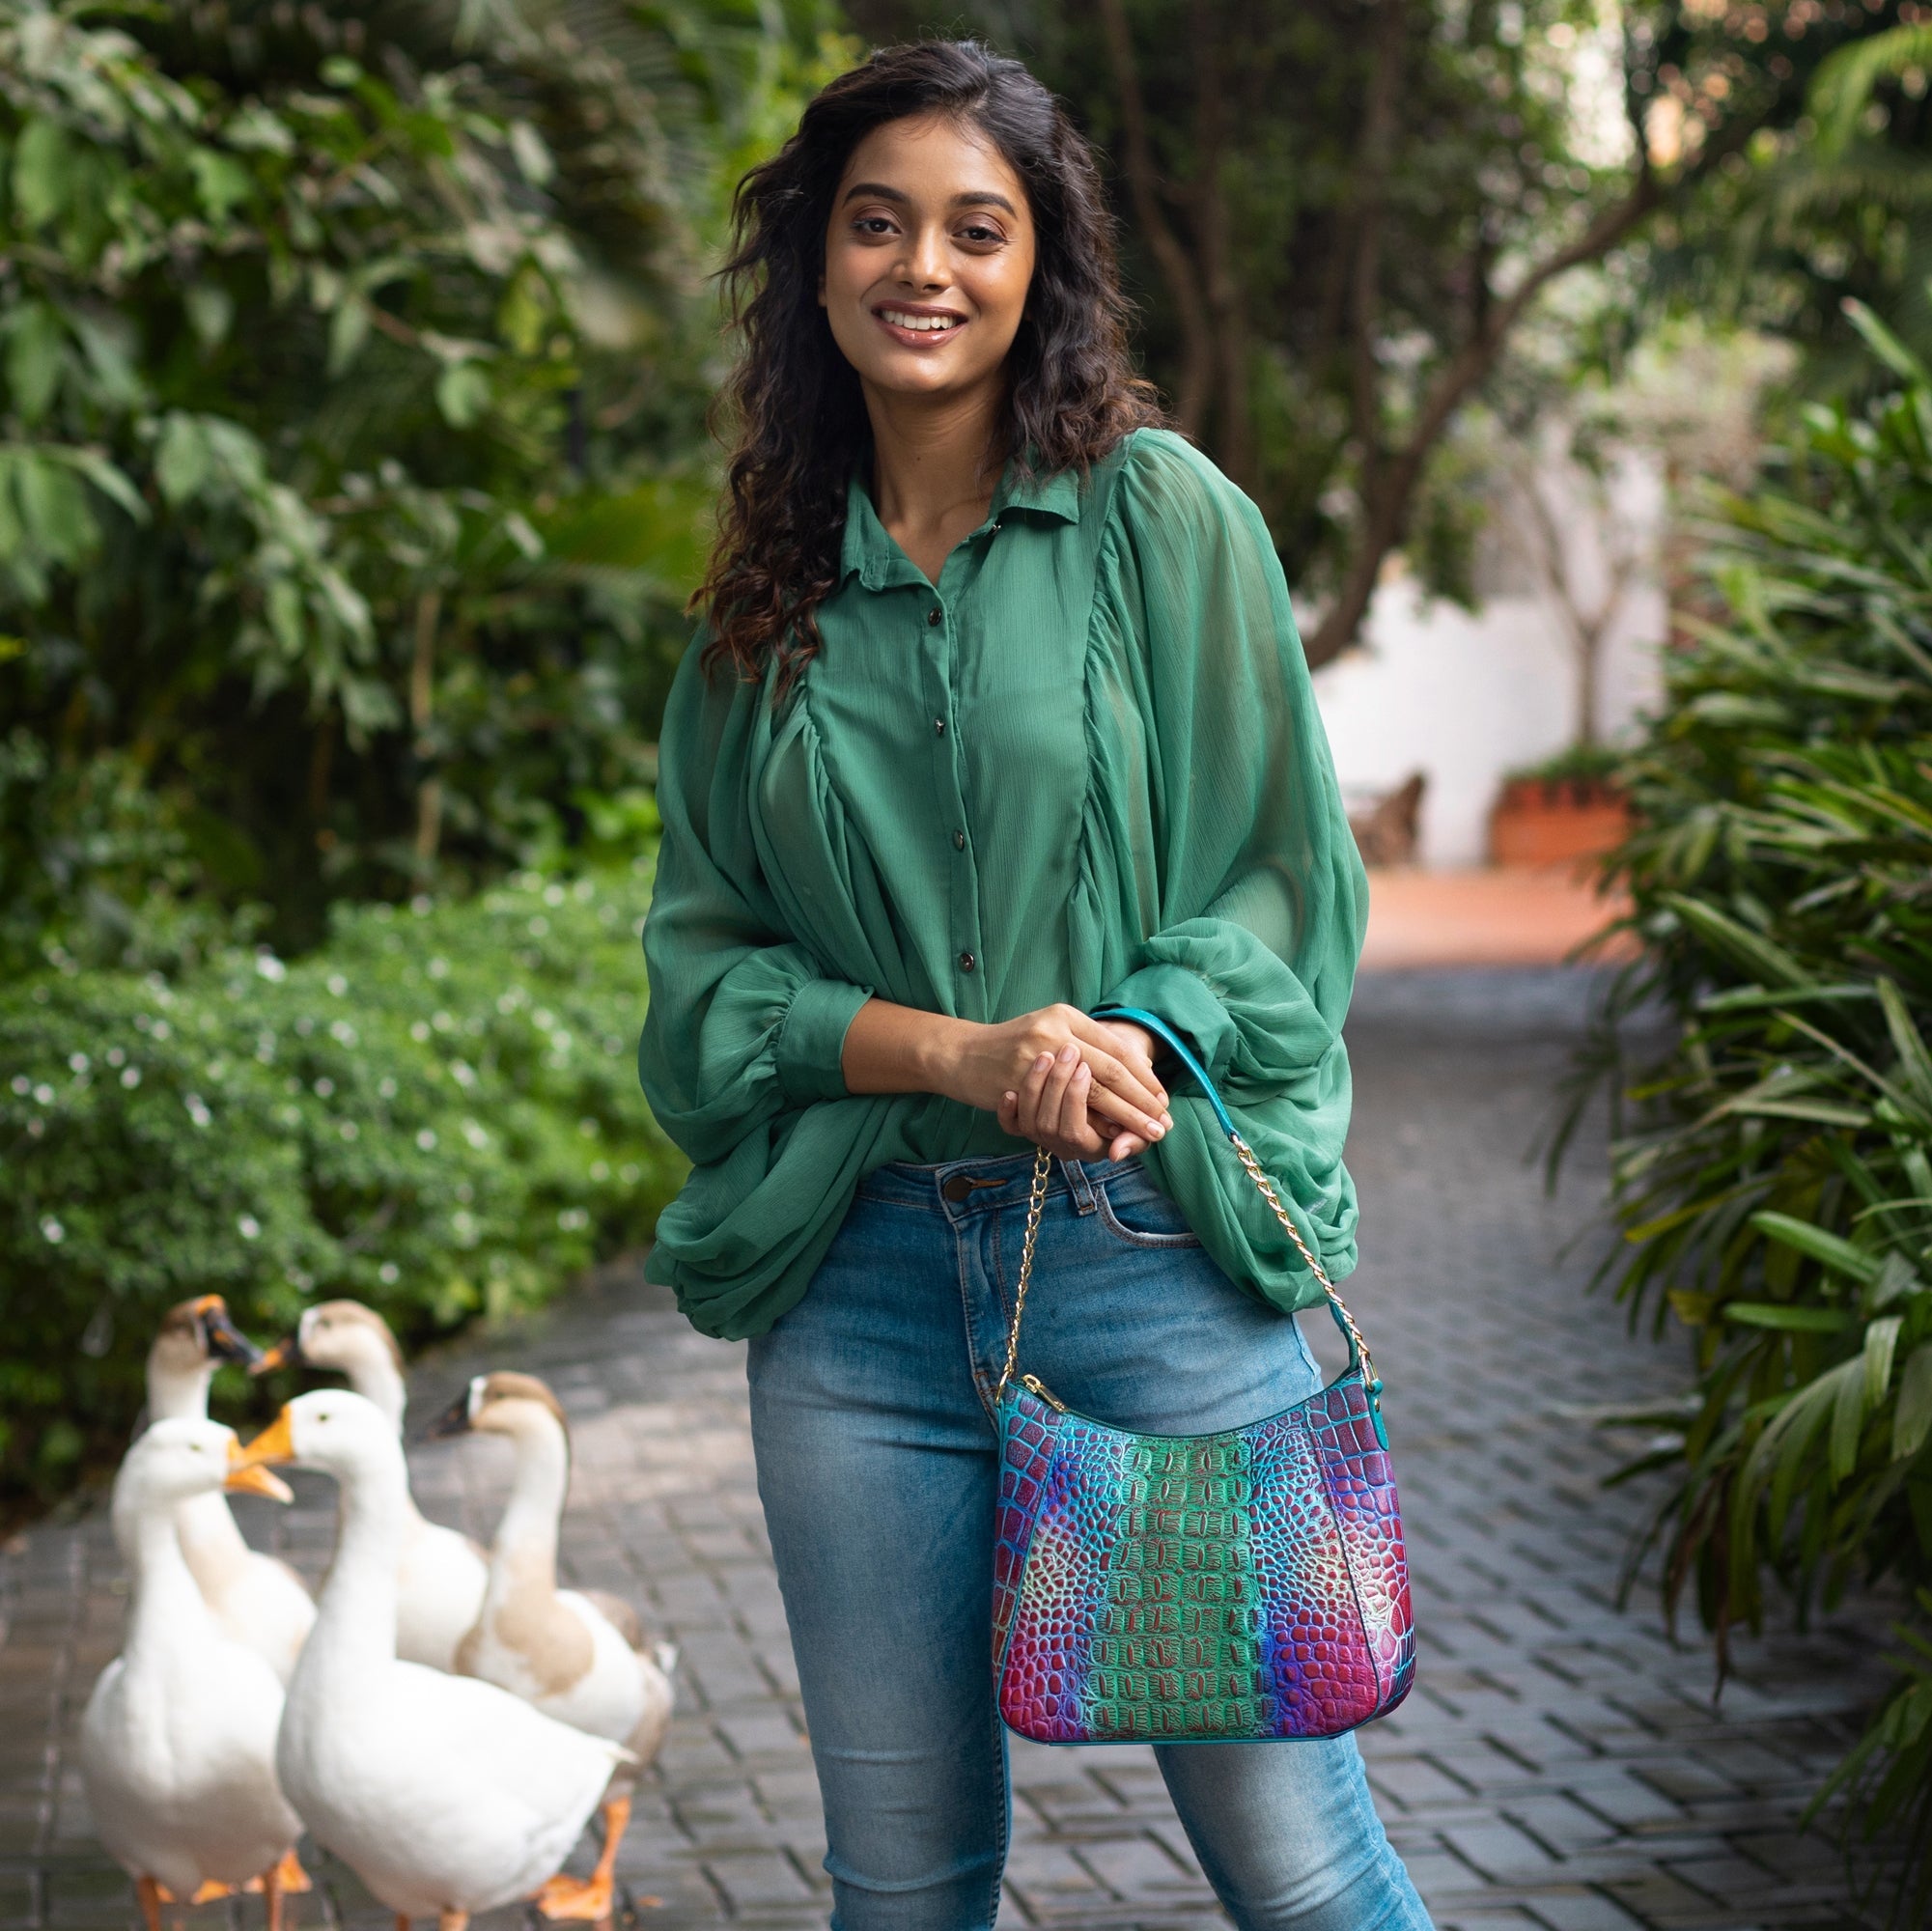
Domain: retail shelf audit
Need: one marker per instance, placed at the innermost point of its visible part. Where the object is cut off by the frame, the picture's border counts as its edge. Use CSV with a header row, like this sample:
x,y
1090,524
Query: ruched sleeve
x,y
744,1023
1257,903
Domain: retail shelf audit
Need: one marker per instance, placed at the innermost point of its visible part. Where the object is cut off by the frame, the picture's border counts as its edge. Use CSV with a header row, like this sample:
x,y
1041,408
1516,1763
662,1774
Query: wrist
x,y
938,1052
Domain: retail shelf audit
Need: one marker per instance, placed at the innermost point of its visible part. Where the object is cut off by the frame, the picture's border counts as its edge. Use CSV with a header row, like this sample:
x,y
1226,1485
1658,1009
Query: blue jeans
x,y
877,1465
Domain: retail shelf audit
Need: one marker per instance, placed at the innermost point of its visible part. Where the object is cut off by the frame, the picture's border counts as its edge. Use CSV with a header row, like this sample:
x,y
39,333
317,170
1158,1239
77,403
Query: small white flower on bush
x,y
52,1231
270,967
131,1076
388,1273
386,1088
197,1109
600,1169
78,1062
325,1086
475,1135
630,1173
560,1041
553,895
573,1219
348,1129
115,1056
543,1018
336,984
539,926
163,1029
45,1093
426,1139
248,1226
464,1226
439,968
462,1074
21,1084
343,1033
419,1031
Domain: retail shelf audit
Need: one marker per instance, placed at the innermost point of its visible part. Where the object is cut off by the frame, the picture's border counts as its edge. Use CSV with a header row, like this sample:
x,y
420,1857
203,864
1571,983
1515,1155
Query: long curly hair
x,y
799,423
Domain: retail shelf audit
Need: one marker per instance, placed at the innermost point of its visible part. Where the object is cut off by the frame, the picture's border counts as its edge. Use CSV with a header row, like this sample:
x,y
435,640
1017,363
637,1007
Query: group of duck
x,y
443,1719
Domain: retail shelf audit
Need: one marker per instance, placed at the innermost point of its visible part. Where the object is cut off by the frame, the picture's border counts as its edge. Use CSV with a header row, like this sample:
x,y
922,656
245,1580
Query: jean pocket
x,y
1135,1211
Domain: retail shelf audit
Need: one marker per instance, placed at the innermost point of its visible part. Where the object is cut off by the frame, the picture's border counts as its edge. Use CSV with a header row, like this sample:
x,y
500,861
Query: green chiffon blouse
x,y
1087,766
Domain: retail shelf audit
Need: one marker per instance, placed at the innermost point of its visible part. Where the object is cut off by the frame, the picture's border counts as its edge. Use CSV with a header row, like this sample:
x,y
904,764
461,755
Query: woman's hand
x,y
1053,1104
893,1048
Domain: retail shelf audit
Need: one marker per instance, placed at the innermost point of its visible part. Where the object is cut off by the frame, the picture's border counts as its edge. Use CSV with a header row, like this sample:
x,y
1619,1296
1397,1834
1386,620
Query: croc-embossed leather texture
x,y
1232,1587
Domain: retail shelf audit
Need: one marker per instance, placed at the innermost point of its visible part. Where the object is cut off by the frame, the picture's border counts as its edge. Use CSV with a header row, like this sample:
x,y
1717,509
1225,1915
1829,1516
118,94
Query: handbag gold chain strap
x,y
1043,1167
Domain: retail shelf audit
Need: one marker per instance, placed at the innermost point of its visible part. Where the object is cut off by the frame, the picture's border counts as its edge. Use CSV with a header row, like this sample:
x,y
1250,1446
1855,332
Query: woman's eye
x,y
980,233
872,224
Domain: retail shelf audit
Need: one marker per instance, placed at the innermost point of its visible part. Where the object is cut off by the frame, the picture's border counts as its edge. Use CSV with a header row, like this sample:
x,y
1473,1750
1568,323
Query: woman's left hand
x,y
1051,1107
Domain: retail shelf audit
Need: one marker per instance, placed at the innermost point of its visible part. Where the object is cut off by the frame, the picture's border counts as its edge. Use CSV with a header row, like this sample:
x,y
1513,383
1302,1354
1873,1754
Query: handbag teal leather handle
x,y
1359,1356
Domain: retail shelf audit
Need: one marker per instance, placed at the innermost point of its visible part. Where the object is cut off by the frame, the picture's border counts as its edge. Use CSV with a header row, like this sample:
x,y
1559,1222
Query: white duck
x,y
579,1657
446,1795
178,1741
257,1599
441,1584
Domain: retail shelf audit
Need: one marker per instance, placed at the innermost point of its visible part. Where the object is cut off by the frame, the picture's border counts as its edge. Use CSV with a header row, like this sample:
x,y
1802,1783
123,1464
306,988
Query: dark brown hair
x,y
798,415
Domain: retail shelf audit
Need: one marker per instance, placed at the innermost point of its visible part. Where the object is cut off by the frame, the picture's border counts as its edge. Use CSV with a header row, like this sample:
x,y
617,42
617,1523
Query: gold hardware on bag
x,y
1043,1167
1045,1393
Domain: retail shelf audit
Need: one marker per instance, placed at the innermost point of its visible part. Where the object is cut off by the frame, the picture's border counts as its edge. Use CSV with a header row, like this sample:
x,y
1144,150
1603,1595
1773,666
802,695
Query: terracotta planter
x,y
1559,822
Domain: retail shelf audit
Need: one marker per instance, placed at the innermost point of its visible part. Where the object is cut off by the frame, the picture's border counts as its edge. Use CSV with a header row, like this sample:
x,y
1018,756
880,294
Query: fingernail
x,y
1069,1052
1083,1074
1040,1064
1011,1097
1155,1129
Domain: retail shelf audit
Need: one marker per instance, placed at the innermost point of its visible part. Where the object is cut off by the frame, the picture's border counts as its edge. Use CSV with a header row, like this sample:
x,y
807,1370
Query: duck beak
x,y
286,1352
250,1478
226,1342
275,1443
453,1421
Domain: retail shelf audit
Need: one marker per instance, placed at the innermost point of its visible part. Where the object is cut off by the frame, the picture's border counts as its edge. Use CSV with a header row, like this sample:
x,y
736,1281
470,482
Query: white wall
x,y
1466,698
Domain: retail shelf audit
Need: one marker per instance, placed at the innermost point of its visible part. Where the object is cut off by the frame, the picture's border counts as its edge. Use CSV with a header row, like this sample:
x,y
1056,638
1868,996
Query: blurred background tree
x,y
354,366
1339,215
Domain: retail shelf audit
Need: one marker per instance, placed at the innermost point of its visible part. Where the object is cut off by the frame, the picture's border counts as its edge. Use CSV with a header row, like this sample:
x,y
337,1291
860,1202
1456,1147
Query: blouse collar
x,y
881,563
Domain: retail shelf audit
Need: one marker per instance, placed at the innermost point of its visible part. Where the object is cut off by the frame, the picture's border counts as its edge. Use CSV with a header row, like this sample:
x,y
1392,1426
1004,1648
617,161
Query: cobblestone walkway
x,y
1559,1764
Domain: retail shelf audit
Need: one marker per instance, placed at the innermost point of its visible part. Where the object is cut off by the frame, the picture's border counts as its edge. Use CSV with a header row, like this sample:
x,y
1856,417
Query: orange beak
x,y
251,1478
275,1443
279,1356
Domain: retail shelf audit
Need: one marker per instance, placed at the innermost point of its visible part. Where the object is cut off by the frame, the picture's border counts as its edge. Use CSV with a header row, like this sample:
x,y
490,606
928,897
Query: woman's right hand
x,y
891,1048
992,1061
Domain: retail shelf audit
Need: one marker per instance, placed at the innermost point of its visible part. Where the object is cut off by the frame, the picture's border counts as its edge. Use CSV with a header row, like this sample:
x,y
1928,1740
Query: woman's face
x,y
929,256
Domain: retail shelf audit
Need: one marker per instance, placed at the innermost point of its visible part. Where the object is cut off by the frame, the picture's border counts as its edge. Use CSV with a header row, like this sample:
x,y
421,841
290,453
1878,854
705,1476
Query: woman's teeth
x,y
925,324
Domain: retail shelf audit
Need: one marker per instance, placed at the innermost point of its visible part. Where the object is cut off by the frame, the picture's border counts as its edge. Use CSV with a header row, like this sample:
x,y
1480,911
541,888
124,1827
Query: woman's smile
x,y
918,327
929,258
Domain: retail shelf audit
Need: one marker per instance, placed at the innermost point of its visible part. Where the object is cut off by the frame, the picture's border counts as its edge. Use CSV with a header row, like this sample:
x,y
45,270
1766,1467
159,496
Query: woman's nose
x,y
924,262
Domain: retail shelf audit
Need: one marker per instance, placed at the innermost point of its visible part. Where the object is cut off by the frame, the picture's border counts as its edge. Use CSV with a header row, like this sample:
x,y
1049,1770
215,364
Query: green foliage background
x,y
1774,1172
436,1112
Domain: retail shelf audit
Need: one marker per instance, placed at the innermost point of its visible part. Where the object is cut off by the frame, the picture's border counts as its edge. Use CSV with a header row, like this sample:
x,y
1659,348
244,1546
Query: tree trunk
x,y
1235,444
1194,395
422,715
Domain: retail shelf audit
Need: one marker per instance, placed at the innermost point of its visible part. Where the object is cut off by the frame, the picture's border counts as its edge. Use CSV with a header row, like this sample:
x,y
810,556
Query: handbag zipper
x,y
1038,1387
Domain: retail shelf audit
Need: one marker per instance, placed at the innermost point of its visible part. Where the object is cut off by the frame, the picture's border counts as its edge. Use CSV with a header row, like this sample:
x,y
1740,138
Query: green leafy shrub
x,y
1772,1169
436,1112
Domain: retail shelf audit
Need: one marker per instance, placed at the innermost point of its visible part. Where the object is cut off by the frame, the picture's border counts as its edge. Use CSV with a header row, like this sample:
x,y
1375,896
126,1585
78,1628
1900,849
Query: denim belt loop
x,y
1079,1185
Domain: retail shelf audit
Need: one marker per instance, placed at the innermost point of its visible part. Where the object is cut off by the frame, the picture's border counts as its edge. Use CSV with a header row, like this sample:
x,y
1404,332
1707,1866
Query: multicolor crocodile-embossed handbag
x,y
1197,1588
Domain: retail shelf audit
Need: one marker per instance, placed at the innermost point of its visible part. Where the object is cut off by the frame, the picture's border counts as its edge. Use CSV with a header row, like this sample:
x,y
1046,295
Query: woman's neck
x,y
935,462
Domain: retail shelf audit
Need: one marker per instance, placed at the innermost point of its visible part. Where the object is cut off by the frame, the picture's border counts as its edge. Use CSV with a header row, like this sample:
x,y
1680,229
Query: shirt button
x,y
933,618
939,727
958,841
966,962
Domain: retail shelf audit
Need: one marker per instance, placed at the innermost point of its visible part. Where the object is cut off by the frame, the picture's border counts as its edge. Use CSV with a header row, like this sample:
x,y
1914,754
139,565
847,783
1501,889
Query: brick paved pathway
x,y
1559,1764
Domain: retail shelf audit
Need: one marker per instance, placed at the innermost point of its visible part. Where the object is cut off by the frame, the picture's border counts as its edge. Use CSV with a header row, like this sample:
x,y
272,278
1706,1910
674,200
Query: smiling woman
x,y
995,718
